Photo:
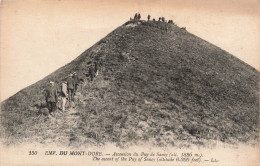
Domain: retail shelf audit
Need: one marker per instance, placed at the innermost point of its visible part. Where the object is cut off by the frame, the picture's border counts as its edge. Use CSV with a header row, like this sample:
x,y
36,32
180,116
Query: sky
x,y
39,36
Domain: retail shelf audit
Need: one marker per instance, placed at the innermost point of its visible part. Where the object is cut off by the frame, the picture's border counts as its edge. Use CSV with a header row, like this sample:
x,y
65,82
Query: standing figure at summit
x,y
148,17
139,16
135,17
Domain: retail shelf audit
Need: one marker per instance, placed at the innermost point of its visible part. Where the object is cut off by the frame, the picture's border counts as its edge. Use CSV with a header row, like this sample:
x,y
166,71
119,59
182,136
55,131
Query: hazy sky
x,y
39,36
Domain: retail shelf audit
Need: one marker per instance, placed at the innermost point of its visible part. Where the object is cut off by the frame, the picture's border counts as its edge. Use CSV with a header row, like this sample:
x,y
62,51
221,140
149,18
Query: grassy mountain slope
x,y
158,84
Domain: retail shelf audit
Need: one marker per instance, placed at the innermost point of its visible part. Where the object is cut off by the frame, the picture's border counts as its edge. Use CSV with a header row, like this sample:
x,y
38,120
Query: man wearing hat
x,y
51,98
70,86
64,94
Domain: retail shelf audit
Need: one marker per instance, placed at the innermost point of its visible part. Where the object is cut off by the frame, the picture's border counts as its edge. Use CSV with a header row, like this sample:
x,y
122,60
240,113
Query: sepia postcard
x,y
137,82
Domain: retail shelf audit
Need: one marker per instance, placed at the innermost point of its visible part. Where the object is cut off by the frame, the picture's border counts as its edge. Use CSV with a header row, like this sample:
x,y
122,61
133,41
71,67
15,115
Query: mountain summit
x,y
158,84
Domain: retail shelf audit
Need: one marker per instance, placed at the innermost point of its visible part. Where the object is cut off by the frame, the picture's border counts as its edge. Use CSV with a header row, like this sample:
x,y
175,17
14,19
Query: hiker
x,y
163,19
135,17
160,18
91,73
139,16
51,98
76,81
170,22
100,61
96,68
148,17
70,86
64,94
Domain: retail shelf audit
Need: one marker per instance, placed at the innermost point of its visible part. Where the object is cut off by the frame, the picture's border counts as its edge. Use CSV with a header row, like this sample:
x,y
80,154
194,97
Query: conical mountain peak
x,y
156,83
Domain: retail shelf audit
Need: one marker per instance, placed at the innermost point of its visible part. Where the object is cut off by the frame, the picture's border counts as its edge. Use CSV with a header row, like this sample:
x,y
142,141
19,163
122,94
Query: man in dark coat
x,y
76,81
70,87
51,97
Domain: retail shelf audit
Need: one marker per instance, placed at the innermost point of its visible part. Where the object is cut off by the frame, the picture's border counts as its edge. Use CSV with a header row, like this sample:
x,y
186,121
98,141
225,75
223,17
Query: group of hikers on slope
x,y
68,89
70,85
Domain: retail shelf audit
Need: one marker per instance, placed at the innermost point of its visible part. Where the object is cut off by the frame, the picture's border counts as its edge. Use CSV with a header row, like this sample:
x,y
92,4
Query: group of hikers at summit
x,y
68,89
137,16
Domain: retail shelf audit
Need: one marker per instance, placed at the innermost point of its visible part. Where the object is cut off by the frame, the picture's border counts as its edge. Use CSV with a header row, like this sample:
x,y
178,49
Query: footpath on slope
x,y
67,123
